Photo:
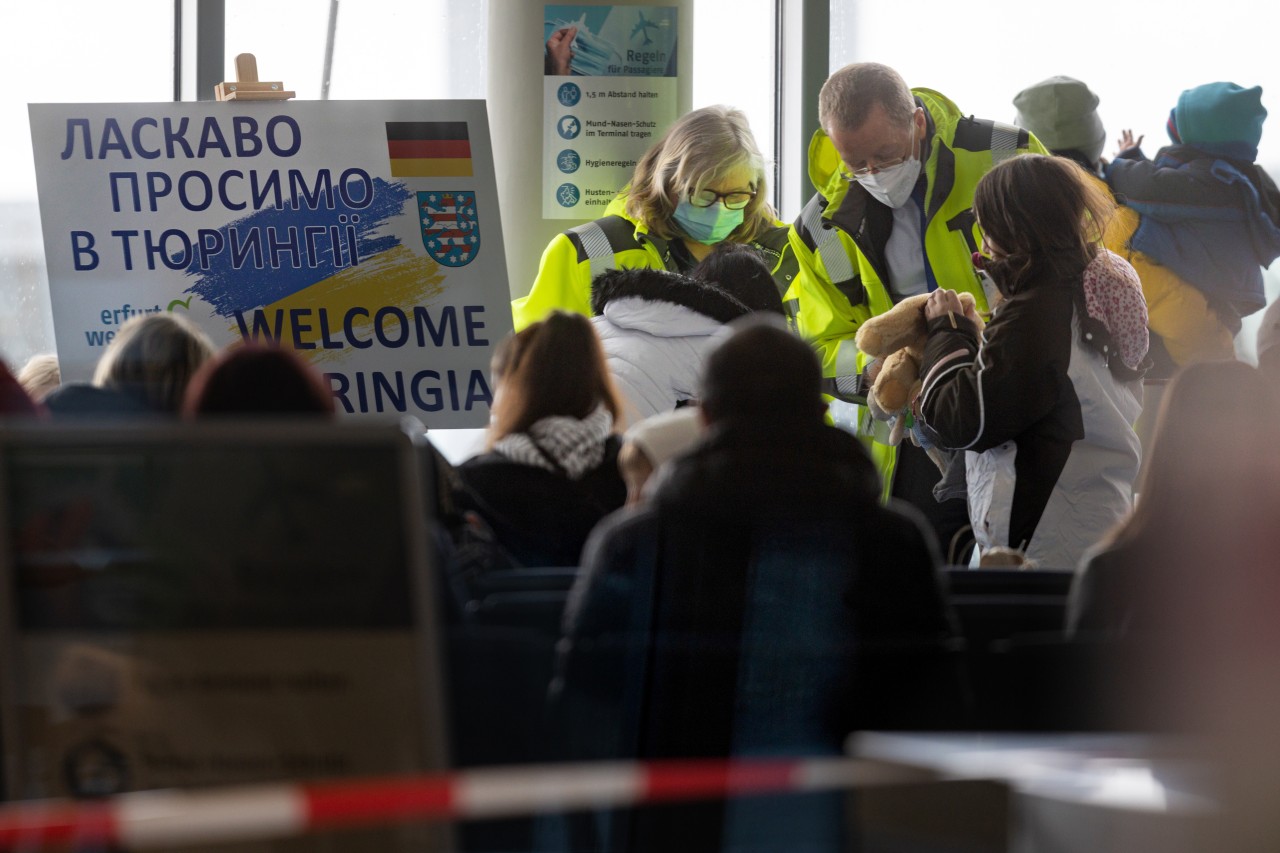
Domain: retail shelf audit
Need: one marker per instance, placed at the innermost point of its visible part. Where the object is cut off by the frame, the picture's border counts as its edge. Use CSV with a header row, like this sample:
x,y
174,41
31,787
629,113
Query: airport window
x,y
71,51
733,45
1136,61
446,59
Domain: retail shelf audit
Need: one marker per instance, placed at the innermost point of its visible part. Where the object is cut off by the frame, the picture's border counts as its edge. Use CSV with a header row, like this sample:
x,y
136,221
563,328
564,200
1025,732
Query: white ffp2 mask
x,y
893,186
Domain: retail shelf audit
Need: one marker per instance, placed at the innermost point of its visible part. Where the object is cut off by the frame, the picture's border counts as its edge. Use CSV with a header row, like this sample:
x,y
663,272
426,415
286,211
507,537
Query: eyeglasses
x,y
851,174
865,171
736,200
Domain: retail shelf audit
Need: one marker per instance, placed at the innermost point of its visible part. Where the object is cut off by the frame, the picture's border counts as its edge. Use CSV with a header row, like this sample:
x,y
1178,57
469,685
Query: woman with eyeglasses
x,y
701,184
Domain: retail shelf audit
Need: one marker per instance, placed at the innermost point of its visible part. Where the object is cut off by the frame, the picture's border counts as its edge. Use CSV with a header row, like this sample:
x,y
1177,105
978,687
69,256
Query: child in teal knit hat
x,y
1219,118
1208,211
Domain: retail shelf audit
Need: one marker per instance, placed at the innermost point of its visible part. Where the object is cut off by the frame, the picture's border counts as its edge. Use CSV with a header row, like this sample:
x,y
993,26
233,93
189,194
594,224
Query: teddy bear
x,y
898,337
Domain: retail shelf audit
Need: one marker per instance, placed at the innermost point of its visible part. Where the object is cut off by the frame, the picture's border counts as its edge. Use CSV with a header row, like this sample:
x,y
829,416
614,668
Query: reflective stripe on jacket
x,y
841,235
616,241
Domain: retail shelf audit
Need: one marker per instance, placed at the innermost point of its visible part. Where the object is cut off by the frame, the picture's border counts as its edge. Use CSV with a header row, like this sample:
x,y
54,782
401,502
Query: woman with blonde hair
x,y
40,376
153,358
701,184
551,470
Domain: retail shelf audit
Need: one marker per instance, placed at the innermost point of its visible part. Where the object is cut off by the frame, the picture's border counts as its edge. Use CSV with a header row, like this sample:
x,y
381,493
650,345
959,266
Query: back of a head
x,y
40,375
1220,114
1213,451
555,367
1203,535
740,269
852,94
256,380
153,357
762,375
1062,112
1040,212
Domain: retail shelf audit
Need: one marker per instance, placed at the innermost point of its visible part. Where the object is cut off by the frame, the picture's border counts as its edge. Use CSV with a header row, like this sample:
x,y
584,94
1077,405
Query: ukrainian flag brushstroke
x,y
396,277
231,289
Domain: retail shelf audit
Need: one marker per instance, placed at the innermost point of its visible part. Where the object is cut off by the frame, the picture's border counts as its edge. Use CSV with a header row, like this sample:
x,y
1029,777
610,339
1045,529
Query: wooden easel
x,y
247,87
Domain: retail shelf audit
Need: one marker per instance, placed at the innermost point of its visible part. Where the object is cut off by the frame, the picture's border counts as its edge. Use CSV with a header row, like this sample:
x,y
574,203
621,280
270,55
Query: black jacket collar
x,y
709,300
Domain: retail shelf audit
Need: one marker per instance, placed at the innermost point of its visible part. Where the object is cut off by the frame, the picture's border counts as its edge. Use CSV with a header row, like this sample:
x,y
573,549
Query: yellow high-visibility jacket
x,y
841,235
1176,311
616,241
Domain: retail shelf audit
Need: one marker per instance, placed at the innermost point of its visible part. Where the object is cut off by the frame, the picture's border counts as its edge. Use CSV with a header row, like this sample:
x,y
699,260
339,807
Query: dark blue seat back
x,y
765,640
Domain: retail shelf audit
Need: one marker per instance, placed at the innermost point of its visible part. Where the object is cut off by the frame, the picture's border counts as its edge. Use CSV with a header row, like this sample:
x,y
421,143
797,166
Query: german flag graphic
x,y
429,149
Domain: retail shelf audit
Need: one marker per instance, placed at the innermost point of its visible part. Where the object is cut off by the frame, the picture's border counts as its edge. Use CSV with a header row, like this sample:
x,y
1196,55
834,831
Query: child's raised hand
x,y
1127,143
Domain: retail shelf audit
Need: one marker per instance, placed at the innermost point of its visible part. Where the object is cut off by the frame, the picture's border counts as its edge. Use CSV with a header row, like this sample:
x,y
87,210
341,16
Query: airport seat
x,y
531,598
995,604
1090,682
501,657
992,606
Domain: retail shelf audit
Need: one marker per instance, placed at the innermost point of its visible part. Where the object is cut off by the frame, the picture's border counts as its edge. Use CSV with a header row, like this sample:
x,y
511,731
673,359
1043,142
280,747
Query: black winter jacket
x,y
541,517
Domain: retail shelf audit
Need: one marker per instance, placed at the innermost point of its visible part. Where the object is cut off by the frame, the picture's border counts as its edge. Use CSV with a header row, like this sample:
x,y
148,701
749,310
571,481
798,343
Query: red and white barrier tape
x,y
165,819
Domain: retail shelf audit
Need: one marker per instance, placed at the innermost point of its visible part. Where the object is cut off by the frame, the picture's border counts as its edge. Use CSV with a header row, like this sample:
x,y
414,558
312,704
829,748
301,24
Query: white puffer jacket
x,y
656,327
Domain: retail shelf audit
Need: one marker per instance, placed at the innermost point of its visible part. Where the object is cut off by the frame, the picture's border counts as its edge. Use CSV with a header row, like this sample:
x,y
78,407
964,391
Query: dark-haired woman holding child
x,y
1044,399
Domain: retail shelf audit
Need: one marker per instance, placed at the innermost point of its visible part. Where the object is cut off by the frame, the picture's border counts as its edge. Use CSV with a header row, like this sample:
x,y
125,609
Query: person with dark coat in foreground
x,y
14,399
731,613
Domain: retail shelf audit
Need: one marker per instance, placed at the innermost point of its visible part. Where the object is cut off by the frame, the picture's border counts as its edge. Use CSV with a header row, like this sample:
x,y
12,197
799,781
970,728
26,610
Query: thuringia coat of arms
x,y
450,227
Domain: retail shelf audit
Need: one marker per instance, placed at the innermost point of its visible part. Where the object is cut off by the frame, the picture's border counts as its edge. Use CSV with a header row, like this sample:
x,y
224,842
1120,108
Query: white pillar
x,y
515,122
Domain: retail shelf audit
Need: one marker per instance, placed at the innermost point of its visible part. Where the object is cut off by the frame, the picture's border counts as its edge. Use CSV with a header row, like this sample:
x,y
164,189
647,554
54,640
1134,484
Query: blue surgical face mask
x,y
707,225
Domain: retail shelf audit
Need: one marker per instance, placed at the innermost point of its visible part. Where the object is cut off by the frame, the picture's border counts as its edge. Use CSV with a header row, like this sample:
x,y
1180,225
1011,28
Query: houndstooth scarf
x,y
567,445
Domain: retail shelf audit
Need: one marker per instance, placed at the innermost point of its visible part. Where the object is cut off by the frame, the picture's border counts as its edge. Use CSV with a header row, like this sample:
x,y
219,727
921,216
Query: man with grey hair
x,y
895,170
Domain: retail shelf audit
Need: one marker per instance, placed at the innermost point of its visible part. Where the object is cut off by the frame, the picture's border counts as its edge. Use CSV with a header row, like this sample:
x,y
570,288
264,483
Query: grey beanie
x,y
1063,114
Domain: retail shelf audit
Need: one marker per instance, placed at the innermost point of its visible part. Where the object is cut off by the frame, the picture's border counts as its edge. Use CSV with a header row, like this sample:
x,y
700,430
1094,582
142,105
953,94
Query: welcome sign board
x,y
363,235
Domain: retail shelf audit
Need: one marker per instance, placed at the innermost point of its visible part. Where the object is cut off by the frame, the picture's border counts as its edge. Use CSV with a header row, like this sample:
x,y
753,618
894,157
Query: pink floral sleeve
x,y
1113,296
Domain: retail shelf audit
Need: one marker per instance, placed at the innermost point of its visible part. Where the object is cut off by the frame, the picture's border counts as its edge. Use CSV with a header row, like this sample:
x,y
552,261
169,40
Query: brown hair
x,y
1044,215
256,380
699,149
762,373
555,367
850,94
